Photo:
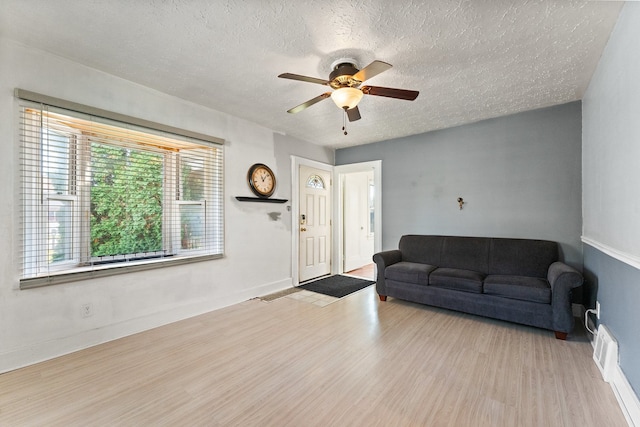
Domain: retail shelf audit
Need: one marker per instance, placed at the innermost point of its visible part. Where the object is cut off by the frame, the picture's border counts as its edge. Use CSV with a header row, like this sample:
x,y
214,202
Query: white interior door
x,y
358,221
374,166
314,223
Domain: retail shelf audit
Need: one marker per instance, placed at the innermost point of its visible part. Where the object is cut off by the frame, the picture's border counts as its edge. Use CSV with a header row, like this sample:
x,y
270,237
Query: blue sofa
x,y
517,280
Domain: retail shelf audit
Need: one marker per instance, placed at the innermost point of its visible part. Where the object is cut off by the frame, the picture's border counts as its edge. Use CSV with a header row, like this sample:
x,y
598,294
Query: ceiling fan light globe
x,y
346,97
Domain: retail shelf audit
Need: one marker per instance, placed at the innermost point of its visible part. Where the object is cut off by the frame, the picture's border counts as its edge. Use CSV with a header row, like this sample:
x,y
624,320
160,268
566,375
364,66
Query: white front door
x,y
314,223
358,222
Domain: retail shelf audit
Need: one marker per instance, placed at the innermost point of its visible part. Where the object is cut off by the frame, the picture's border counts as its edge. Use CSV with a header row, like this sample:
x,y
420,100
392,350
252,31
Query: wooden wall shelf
x,y
259,199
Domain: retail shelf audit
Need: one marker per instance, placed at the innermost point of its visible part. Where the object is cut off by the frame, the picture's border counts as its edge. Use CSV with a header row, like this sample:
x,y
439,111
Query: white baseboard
x,y
626,397
32,354
622,390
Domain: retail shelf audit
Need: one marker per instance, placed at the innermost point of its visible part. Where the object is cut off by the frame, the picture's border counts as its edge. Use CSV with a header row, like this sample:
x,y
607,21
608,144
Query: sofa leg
x,y
561,335
382,297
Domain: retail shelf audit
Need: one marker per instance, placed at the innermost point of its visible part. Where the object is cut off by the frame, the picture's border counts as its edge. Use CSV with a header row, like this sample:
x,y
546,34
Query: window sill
x,y
96,271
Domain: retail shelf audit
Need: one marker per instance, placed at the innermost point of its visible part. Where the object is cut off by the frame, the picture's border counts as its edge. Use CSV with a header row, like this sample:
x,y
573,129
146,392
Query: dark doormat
x,y
337,286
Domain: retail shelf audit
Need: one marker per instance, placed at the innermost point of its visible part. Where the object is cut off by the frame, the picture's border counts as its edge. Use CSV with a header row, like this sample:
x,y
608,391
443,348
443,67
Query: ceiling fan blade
x,y
389,92
303,78
371,70
309,103
353,114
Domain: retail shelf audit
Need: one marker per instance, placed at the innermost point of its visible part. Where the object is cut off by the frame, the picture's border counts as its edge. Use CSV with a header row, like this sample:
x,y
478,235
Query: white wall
x,y
611,135
41,323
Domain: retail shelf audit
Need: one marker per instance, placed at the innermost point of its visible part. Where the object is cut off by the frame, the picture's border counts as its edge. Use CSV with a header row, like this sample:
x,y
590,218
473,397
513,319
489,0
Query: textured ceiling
x,y
470,59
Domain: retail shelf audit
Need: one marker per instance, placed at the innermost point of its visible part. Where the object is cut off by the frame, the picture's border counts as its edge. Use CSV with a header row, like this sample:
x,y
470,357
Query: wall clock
x,y
262,180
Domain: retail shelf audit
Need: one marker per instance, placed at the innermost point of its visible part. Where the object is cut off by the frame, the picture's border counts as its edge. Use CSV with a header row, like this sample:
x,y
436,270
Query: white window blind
x,y
101,196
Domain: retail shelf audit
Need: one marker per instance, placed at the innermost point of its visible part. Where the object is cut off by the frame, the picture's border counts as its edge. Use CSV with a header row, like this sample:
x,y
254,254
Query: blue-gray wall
x,y
519,175
611,182
617,287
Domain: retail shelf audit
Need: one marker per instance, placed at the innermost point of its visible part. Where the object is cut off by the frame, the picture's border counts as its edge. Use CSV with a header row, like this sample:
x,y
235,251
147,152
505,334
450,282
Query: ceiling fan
x,y
346,79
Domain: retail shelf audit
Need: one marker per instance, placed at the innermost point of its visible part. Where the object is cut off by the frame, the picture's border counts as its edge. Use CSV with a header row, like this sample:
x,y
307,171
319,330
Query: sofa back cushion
x,y
467,253
486,255
422,249
522,257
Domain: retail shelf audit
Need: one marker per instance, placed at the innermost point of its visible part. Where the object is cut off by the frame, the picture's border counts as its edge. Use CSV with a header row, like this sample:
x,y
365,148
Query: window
x,y
99,195
315,181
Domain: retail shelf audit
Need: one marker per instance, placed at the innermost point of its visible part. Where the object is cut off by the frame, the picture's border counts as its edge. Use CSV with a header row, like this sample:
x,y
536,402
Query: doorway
x,y
358,214
336,212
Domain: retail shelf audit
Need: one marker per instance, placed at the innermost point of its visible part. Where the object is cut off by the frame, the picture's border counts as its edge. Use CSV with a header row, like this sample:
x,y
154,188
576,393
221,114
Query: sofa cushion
x,y
422,249
465,253
518,287
454,278
522,257
410,272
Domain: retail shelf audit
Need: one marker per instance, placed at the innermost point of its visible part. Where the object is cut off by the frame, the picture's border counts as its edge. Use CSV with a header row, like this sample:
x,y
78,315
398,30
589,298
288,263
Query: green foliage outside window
x,y
126,201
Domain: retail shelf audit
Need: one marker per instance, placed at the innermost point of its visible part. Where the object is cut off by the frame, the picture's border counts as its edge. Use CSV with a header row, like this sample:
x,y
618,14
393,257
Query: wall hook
x,y
460,202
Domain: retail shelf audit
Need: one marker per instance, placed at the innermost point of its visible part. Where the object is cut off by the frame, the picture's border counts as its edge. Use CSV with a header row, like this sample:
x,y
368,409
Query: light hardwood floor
x,y
356,362
368,272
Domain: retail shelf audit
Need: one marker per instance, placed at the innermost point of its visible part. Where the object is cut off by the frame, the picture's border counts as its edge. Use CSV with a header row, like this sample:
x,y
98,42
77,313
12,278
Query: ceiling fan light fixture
x,y
346,97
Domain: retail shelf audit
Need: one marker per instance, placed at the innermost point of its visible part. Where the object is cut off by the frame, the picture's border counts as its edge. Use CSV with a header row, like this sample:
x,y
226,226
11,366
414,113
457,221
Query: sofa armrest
x,y
383,260
563,279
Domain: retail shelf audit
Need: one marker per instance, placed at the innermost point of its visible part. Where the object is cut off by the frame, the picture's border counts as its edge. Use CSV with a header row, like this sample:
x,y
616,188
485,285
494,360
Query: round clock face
x,y
261,180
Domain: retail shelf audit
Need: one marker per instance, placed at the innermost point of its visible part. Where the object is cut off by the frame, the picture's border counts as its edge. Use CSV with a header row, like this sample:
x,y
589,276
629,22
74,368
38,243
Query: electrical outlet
x,y
598,310
86,310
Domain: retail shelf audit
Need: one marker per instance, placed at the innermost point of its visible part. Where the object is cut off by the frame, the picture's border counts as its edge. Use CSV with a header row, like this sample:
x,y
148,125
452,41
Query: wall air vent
x,y
605,353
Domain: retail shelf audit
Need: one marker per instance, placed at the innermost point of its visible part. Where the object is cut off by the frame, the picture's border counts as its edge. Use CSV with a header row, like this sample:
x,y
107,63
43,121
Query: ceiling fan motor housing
x,y
342,76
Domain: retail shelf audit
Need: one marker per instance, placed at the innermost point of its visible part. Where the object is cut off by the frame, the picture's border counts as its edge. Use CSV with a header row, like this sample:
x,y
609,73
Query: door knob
x,y
303,229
